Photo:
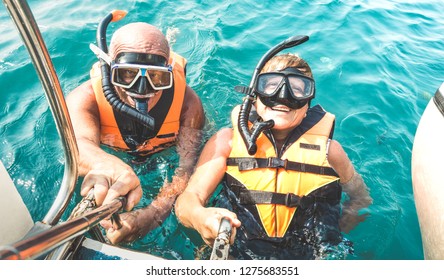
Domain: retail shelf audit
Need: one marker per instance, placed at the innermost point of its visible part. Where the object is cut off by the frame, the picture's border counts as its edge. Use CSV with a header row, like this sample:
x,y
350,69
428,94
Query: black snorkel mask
x,y
289,87
250,135
140,114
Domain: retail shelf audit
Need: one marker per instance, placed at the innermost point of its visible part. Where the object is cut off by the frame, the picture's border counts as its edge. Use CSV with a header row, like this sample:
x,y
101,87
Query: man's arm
x,y
189,141
108,175
138,223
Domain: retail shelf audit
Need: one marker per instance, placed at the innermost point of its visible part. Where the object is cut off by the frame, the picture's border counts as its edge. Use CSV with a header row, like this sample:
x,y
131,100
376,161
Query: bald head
x,y
139,37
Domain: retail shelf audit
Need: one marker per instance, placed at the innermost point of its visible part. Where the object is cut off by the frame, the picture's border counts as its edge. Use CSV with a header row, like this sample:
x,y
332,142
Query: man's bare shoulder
x,y
191,98
85,89
82,99
192,110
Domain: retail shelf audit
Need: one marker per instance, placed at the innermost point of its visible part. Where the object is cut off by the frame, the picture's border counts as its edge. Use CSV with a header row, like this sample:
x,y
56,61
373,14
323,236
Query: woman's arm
x,y
190,205
352,184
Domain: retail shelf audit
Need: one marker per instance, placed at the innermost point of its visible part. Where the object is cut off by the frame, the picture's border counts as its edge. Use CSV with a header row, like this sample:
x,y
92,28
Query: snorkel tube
x,y
250,136
108,89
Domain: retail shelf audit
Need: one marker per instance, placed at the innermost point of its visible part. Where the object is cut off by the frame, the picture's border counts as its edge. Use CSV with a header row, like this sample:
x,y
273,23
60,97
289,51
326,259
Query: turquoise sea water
x,y
376,65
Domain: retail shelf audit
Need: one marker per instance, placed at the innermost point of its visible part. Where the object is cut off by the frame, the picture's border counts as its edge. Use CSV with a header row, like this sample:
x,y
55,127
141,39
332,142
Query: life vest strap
x,y
252,197
245,163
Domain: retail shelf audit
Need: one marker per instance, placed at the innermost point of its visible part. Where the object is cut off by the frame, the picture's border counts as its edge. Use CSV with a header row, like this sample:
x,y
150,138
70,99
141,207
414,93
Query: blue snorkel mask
x,y
271,96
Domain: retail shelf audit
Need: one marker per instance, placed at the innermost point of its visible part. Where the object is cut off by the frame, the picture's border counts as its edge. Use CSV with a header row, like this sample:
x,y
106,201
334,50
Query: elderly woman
x,y
283,201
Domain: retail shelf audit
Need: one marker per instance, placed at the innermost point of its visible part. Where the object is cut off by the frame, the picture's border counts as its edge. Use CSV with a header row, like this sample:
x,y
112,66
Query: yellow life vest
x,y
277,182
167,129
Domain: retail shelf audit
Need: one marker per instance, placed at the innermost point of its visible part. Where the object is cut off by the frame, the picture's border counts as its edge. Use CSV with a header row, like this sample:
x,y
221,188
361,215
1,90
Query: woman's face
x,y
285,118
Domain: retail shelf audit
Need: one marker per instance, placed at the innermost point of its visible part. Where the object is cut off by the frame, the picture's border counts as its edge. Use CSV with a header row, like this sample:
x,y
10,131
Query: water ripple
x,y
376,64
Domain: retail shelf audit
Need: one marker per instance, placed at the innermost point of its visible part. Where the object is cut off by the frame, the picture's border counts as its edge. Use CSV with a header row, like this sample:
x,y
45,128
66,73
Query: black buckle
x,y
277,162
247,164
292,200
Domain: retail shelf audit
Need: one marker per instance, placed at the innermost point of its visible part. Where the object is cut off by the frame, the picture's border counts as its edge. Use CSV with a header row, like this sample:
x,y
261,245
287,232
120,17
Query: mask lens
x,y
269,83
125,76
300,87
160,78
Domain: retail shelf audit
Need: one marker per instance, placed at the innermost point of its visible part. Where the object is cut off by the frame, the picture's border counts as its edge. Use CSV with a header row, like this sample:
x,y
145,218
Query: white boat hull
x,y
428,179
13,226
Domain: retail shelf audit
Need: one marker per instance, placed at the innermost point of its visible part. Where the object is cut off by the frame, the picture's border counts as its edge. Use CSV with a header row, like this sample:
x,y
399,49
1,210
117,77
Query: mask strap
x,y
172,63
100,54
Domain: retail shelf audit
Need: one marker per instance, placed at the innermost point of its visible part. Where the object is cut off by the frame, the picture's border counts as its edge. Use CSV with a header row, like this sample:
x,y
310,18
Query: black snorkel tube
x,y
108,88
250,136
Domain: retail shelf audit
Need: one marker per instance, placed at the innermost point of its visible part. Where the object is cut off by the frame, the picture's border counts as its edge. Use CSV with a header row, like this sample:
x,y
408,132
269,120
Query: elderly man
x,y
148,78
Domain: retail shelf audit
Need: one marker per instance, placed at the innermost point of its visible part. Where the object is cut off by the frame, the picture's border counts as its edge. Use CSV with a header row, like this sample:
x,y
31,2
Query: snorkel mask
x,y
273,88
288,87
122,71
141,75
